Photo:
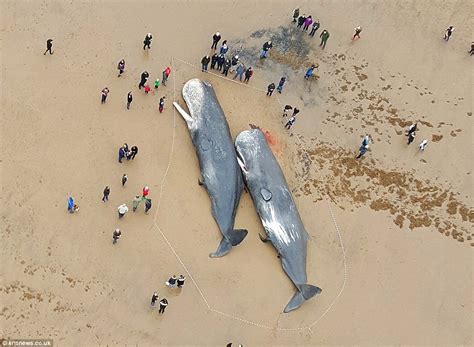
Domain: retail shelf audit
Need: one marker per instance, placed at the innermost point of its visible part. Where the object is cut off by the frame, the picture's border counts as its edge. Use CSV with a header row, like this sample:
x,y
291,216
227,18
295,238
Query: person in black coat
x,y
147,41
220,62
143,79
215,39
227,66
49,46
133,152
301,20
214,61
205,62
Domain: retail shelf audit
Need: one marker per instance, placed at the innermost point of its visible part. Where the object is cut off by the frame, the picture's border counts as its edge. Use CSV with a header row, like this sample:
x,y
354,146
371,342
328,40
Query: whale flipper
x,y
305,292
235,237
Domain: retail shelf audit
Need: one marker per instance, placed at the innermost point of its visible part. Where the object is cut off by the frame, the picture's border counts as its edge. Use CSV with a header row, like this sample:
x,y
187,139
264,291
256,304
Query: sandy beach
x,y
390,234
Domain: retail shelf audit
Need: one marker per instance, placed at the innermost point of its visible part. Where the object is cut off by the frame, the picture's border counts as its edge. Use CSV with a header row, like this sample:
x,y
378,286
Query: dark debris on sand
x,y
291,47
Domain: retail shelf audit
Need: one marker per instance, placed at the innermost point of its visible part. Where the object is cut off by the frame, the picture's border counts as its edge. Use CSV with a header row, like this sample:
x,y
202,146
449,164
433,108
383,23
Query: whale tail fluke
x,y
305,292
235,237
309,290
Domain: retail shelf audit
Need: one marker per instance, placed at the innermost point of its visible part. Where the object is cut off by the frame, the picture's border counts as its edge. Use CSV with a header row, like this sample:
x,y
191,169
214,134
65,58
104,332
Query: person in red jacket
x,y
146,190
166,74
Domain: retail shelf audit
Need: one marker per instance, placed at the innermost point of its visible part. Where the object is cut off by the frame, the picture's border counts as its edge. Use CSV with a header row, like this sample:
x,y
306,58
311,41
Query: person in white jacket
x,y
122,209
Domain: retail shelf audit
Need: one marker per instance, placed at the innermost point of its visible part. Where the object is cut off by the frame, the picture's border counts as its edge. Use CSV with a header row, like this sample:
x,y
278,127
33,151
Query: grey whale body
x,y
221,175
276,209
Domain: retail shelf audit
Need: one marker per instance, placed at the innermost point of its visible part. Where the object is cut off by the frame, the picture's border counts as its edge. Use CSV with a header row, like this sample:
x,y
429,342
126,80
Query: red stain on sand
x,y
271,139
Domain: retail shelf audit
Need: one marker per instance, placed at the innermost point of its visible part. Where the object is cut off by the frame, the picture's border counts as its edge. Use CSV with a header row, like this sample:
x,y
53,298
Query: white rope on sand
x,y
170,157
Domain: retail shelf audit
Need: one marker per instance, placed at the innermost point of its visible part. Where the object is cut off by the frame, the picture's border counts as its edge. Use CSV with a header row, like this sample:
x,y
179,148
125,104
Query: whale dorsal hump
x,y
266,194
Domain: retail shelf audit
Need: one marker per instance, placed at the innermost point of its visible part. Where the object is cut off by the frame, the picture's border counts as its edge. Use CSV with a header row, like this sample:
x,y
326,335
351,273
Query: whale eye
x,y
266,194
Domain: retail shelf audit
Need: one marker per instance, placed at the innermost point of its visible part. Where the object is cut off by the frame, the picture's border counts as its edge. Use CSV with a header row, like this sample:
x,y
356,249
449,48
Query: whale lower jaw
x,y
305,292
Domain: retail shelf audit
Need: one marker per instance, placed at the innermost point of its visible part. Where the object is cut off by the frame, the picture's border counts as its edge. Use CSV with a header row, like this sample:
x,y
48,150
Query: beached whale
x,y
276,209
221,174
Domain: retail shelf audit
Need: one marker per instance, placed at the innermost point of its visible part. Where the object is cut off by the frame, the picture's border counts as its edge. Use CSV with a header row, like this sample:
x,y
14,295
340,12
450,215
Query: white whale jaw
x,y
186,116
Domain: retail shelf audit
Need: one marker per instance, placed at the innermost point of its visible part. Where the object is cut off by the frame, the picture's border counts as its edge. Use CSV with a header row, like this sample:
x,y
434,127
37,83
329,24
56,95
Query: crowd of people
x,y
219,61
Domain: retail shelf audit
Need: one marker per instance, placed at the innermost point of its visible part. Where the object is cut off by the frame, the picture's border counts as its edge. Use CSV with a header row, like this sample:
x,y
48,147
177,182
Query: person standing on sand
x,y
49,46
161,105
296,14
423,145
248,74
166,75
172,282
106,194
471,52
125,149
129,99
364,146
70,204
324,38
121,154
295,112
220,62
104,93
411,137
307,22
224,48
124,179
214,61
412,128
448,33
147,205
281,84
121,67
163,304
145,191
116,235
157,83
147,41
136,202
215,39
270,89
286,109
234,61
143,78
239,72
227,66
122,209
154,299
309,72
314,28
180,281
301,20
205,62
290,123
357,32
265,49
134,152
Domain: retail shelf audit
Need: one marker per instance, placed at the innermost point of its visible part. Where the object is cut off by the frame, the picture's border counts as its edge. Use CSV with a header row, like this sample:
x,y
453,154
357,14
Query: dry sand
x,y
405,217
